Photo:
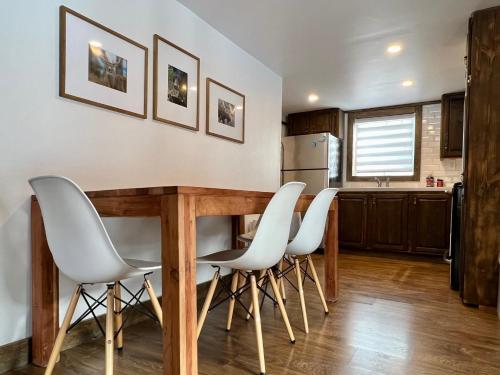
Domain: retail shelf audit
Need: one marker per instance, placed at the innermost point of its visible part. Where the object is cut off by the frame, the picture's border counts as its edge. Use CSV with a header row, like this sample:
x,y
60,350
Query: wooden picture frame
x,y
163,104
121,85
230,105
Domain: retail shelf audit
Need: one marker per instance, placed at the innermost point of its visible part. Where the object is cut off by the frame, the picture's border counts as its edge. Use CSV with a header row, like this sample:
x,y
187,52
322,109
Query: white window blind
x,y
384,146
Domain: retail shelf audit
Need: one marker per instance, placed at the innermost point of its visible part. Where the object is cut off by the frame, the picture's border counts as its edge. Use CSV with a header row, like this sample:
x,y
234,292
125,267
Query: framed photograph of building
x,y
101,67
176,79
225,112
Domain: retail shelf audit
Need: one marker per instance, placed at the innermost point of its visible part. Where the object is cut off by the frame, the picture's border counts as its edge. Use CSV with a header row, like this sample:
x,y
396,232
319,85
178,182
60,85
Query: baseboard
x,y
18,354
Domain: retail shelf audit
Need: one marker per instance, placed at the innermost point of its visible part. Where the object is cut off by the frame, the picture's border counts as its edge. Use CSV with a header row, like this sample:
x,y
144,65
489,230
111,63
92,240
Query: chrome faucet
x,y
387,180
379,183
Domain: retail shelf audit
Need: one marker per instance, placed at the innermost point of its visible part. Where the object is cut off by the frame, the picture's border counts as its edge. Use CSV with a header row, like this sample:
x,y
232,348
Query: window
x,y
384,143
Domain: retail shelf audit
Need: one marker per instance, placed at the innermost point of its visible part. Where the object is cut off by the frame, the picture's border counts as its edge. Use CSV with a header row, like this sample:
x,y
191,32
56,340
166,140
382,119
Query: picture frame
x,y
176,83
225,112
101,67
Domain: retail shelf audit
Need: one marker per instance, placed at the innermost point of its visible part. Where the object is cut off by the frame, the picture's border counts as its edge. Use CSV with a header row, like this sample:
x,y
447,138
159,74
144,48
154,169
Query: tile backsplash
x,y
447,169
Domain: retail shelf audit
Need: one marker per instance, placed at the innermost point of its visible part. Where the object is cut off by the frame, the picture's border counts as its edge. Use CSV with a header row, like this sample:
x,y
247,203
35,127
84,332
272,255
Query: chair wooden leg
x,y
232,301
118,316
318,285
62,331
208,301
281,305
281,281
259,283
258,326
154,301
301,294
109,345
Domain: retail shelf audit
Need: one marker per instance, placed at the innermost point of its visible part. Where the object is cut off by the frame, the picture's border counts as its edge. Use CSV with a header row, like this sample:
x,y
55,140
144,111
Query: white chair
x,y
83,251
307,240
266,250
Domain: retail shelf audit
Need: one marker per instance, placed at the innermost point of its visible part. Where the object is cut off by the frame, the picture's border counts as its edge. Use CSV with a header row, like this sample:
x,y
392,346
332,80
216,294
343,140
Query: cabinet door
x,y
321,121
452,118
429,226
388,222
298,124
352,220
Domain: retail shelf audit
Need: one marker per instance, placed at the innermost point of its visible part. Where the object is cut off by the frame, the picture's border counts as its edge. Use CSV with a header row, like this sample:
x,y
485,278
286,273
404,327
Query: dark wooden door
x,y
429,222
352,220
388,222
321,121
452,124
481,218
298,124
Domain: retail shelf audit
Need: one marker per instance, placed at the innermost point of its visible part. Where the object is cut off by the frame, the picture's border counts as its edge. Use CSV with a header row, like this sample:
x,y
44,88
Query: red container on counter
x,y
429,181
440,183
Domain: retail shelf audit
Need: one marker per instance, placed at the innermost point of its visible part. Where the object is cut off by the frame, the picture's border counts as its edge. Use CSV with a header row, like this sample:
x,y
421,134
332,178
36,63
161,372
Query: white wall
x,y
41,133
447,169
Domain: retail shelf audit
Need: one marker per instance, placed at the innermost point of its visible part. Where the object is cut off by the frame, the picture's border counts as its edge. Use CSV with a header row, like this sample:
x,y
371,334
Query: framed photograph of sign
x,y
225,112
101,67
176,79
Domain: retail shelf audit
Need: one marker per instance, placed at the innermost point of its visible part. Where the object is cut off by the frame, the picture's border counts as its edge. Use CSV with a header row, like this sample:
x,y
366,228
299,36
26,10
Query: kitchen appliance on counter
x,y
315,159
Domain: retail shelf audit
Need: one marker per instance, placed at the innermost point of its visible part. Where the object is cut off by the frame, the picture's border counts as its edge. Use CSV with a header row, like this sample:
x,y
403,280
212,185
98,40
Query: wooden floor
x,y
395,316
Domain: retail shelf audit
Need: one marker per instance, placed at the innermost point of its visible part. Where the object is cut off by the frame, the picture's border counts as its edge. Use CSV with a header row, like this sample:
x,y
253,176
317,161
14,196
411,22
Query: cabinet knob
x,y
415,201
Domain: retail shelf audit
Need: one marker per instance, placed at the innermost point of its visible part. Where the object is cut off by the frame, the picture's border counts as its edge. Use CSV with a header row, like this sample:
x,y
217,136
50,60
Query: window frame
x,y
384,112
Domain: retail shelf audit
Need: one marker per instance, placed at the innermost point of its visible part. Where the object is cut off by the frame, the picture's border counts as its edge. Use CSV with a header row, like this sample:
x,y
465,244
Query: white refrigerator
x,y
315,159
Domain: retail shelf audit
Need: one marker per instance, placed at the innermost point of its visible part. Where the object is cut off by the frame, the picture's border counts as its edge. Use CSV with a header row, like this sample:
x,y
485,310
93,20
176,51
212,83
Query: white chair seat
x,y
223,258
143,265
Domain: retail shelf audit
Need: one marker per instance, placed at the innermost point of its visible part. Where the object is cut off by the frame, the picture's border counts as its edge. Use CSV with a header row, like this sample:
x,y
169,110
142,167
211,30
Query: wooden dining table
x,y
178,207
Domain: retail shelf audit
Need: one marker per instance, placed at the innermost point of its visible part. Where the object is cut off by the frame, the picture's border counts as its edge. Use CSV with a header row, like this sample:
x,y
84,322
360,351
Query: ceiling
x,y
337,48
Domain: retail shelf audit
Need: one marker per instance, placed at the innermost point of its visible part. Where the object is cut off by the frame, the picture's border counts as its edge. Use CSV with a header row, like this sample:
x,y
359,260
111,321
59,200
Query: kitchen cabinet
x,y
388,222
352,227
452,118
429,223
415,222
321,121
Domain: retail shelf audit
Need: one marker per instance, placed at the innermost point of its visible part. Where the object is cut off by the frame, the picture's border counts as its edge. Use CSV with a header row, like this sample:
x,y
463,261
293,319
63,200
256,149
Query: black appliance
x,y
454,252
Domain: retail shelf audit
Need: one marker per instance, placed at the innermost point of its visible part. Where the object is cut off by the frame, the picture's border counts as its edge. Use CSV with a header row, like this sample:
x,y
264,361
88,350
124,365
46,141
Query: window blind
x,y
384,146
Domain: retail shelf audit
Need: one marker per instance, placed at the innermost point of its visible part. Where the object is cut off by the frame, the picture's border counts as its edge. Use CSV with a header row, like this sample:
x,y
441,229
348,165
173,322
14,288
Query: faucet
x,y
379,183
387,180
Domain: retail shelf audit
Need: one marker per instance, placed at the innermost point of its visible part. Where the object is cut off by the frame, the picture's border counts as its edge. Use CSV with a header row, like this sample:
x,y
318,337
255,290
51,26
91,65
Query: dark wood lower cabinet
x,y
395,221
429,227
352,227
388,222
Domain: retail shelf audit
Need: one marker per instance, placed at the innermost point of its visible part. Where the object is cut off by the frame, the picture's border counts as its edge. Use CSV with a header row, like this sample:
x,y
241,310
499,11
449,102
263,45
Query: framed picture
x,y
176,78
98,66
225,112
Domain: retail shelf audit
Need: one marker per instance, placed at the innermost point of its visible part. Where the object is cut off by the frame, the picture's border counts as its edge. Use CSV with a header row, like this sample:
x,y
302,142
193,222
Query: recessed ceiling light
x,y
407,83
394,48
313,98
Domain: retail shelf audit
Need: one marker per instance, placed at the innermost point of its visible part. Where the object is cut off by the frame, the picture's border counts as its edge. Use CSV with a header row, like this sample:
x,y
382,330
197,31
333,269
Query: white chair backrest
x,y
271,238
313,225
75,233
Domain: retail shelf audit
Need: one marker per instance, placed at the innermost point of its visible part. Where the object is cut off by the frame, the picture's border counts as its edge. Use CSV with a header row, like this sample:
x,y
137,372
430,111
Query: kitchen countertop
x,y
395,189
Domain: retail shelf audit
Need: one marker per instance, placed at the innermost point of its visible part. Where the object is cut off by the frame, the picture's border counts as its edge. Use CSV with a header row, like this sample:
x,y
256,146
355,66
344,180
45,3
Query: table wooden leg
x,y
45,291
238,227
179,285
331,254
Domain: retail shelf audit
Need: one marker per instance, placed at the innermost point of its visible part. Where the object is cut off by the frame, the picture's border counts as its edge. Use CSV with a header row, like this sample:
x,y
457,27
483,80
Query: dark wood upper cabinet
x,y
429,223
452,124
321,121
481,218
388,222
353,220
